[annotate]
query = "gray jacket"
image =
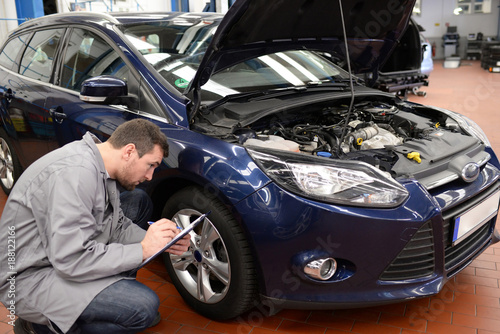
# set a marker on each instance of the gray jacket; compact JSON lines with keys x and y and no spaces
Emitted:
{"x":64,"y":235}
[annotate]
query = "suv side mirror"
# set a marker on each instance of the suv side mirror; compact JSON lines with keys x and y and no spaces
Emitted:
{"x":106,"y":90}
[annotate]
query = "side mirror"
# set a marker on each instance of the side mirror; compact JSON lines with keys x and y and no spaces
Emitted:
{"x":107,"y":90}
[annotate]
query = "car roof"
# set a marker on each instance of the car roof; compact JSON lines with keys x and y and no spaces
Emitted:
{"x":114,"y":18}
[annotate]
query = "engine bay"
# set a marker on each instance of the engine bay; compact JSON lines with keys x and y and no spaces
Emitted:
{"x":397,"y":137}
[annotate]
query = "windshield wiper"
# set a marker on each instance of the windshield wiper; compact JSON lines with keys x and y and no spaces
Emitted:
{"x":313,"y":86}
{"x":233,"y":97}
{"x":259,"y":95}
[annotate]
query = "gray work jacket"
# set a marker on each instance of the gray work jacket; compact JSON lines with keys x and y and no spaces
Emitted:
{"x":66,"y":234}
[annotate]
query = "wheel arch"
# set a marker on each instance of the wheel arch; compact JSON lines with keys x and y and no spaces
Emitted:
{"x":175,"y":180}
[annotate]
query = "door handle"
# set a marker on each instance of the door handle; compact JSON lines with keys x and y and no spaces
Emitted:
{"x":8,"y":94}
{"x":58,"y":114}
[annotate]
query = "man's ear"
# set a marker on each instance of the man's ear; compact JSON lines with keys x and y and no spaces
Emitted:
{"x":127,"y":151}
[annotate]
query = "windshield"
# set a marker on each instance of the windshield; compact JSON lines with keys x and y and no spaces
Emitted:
{"x":175,"y":50}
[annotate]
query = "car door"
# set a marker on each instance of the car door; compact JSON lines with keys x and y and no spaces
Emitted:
{"x":89,"y":54}
{"x":25,"y":91}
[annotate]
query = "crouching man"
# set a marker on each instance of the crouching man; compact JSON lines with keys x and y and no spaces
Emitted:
{"x":71,"y":245}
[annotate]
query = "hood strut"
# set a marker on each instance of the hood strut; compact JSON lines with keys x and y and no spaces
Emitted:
{"x":351,"y":86}
{"x":196,"y":104}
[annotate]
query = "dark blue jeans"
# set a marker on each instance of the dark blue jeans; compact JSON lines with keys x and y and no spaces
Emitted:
{"x":126,"y":306}
{"x":137,"y":206}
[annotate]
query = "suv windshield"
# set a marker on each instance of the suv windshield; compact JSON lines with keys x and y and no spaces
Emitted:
{"x":175,"y":50}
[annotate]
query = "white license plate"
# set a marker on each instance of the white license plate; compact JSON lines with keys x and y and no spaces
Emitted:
{"x":470,"y":221}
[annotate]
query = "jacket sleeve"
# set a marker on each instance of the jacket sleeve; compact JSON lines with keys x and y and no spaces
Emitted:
{"x":127,"y":232}
{"x":65,"y":206}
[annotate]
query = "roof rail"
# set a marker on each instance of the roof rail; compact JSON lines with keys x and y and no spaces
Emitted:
{"x":104,"y":16}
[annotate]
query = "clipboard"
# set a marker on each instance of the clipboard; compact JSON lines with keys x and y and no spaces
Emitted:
{"x":179,"y":236}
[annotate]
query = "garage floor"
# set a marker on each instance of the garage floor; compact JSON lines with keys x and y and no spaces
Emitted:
{"x":469,"y":304}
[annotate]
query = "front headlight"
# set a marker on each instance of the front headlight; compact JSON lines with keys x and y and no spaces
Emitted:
{"x":472,"y":128}
{"x":329,"y":180}
{"x":467,"y":125}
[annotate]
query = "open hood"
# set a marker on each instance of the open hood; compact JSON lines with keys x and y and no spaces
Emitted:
{"x":252,"y":28}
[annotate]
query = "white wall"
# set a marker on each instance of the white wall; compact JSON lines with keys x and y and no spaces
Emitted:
{"x":156,"y":5}
{"x":436,"y":14}
{"x":7,"y":11}
{"x":119,"y":6}
{"x":197,"y":5}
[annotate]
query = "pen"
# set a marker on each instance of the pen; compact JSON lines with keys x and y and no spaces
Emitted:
{"x":151,"y":223}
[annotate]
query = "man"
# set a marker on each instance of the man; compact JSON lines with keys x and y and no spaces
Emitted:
{"x":71,"y":247}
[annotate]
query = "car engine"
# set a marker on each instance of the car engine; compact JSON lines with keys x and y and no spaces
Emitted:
{"x":397,"y":137}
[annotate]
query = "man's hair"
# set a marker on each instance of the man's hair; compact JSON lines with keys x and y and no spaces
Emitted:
{"x":142,"y":133}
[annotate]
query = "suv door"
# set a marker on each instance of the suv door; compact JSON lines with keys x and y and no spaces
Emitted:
{"x":10,"y":167}
{"x":25,"y":118}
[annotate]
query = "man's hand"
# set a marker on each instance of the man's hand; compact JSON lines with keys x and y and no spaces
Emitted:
{"x":159,"y":234}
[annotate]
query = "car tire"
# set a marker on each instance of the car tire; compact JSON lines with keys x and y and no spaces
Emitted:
{"x":10,"y":168}
{"x":216,"y":276}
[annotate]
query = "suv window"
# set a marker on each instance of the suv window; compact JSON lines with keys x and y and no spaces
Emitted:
{"x":38,"y":58}
{"x":88,"y":55}
{"x":11,"y":50}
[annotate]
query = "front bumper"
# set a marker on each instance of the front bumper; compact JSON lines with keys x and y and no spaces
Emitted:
{"x":384,"y":255}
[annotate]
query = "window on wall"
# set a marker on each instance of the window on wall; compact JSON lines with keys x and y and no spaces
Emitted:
{"x":472,"y":7}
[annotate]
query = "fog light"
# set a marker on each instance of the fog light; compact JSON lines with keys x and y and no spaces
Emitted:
{"x":322,"y":269}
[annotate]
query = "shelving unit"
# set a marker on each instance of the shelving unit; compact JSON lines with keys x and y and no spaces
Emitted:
{"x":473,"y":50}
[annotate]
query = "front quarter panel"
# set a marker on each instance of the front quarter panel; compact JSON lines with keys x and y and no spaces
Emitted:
{"x":220,"y":168}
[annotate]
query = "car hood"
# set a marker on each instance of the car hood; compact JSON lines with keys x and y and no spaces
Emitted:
{"x":253,"y":28}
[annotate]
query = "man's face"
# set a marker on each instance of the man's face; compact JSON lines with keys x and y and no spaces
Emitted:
{"x":136,"y":170}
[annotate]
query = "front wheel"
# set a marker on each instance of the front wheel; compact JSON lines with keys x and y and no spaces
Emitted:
{"x":216,"y":276}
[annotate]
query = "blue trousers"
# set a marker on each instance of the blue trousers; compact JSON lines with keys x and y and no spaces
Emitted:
{"x":137,"y":206}
{"x":126,"y":306}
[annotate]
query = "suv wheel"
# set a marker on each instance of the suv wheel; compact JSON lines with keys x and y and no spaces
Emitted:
{"x":216,"y":276}
{"x":10,"y":169}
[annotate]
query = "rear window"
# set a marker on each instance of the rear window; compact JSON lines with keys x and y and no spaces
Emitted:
{"x":11,"y":52}
{"x":38,"y":58}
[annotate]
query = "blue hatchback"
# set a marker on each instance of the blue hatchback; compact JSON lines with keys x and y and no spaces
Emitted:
{"x":323,"y":192}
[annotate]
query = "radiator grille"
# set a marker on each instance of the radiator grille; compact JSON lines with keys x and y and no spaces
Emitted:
{"x":458,"y":254}
{"x":415,"y":260}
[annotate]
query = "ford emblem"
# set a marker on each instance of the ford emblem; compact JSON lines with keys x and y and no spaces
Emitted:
{"x":470,"y":172}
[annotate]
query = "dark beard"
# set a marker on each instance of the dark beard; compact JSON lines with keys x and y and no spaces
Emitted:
{"x":126,"y":186}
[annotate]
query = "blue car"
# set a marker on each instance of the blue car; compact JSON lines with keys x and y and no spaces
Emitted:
{"x":323,"y":192}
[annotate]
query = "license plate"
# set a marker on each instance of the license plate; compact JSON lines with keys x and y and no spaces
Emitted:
{"x":470,"y":221}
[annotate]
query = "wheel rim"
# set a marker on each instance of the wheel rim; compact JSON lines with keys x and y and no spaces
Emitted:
{"x":204,"y":270}
{"x":6,"y":165}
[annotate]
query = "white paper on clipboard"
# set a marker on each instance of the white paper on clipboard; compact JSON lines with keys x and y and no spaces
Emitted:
{"x":179,"y":236}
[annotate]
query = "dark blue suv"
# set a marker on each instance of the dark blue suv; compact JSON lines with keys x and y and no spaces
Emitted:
{"x":324,"y":193}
